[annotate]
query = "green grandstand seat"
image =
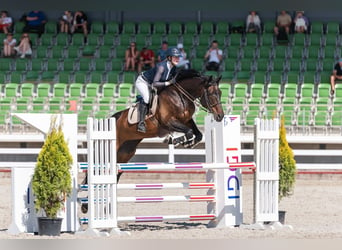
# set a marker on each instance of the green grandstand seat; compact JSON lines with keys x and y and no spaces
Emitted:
{"x":175,"y":27}
{"x":222,"y":27}
{"x":125,"y":90}
{"x":315,"y":39}
{"x":121,"y":103}
{"x":268,"y":26}
{"x":82,"y":116}
{"x":85,"y":64}
{"x":92,"y":90}
{"x":296,"y":52}
{"x":140,"y":40}
{"x":188,"y":40}
{"x":307,"y":90}
{"x":172,"y":39}
{"x":316,"y":27}
{"x":112,"y":77}
{"x":278,"y":64}
{"x":27,"y":90}
{"x":53,"y":64}
{"x":57,"y":52}
{"x":235,"y":39}
{"x":62,"y":39}
{"x":97,"y":27}
{"x":262,"y":64}
{"x":55,"y":104}
{"x":6,"y":64}
{"x":22,"y":104}
{"x":251,"y":39}
{"x":32,"y":76}
{"x":50,"y":27}
{"x":48,"y":76}
{"x":88,"y":103}
{"x":289,"y":104}
{"x":336,"y":118}
{"x":47,"y":39}
{"x":43,"y":90}
{"x":72,"y":52}
{"x":264,"y":52}
{"x":206,"y":27}
{"x":15,"y":77}
{"x":191,"y":27}
{"x":322,"y":104}
{"x":273,"y":90}
{"x":21,"y":65}
{"x":200,"y":117}
{"x":248,"y":52}
{"x":280,"y":52}
{"x":106,"y":103}
{"x":96,"y":77}
{"x":60,"y":89}
{"x":304,"y":118}
{"x":227,"y":76}
{"x":80,"y":77}
{"x":18,"y":27}
{"x":144,"y":28}
{"x":101,"y":114}
{"x":250,"y":117}
{"x":64,"y":76}
{"x":76,"y":89}
{"x":333,"y":27}
{"x":36,"y":64}
{"x":330,"y":39}
{"x":112,"y":27}
{"x":41,"y":51}
{"x":128,"y":28}
{"x":294,"y":64}
{"x":276,"y":77}
{"x":292,"y":77}
{"x":159,"y":27}
{"x":39,"y":104}
{"x":259,"y":77}
{"x":299,"y":39}
{"x":109,"y":90}
{"x":290,"y":90}
{"x":323,"y":90}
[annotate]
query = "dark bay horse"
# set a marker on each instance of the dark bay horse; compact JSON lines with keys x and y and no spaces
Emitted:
{"x":176,"y":106}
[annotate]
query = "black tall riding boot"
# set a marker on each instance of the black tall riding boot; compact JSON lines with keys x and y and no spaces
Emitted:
{"x":142,"y":113}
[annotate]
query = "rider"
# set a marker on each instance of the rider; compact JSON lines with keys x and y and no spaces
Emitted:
{"x":160,"y":76}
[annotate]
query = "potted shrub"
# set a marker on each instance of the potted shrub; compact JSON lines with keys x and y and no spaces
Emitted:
{"x":287,"y":168}
{"x":51,"y":181}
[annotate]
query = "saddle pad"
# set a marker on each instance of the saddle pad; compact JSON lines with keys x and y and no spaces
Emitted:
{"x":133,"y":111}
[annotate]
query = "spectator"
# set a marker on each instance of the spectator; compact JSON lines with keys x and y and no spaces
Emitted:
{"x":9,"y":43}
{"x":183,"y":62}
{"x":146,"y":60}
{"x":301,"y":22}
{"x":5,"y":22}
{"x":161,"y":54}
{"x":253,"y":23}
{"x":80,"y":23}
{"x":35,"y":22}
{"x":336,"y":75}
{"x":131,"y":57}
{"x":283,"y":24}
{"x":25,"y":46}
{"x":65,"y":22}
{"x":213,"y":57}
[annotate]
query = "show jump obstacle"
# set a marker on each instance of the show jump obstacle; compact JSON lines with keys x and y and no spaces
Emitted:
{"x":223,"y":166}
{"x":224,"y":182}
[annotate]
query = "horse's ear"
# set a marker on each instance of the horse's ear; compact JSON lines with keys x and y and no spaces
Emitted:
{"x":218,"y":79}
{"x":210,"y":79}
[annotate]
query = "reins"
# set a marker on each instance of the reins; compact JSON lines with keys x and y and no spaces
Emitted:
{"x":196,"y":101}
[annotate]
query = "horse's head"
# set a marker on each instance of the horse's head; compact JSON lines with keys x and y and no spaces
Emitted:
{"x":211,"y":99}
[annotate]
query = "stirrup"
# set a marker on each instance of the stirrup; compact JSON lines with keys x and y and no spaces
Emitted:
{"x":141,"y":127}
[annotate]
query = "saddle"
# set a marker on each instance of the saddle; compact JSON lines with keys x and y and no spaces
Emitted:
{"x":133,"y":110}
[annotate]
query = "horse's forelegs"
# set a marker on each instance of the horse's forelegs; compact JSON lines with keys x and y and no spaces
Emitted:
{"x":179,"y":127}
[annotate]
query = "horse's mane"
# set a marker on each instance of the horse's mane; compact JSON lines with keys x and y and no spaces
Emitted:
{"x":187,"y":73}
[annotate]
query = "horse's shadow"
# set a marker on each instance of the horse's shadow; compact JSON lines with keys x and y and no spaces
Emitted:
{"x":165,"y":226}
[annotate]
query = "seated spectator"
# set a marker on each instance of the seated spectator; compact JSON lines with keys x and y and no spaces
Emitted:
{"x":213,"y":57}
{"x":35,"y":22}
{"x":25,"y":46}
{"x":161,"y":53}
{"x":9,"y":43}
{"x":146,"y":60}
{"x":131,"y":57}
{"x":253,"y":23}
{"x":65,"y":22}
{"x":283,"y":25}
{"x":5,"y":22}
{"x":301,"y":22}
{"x":80,"y":23}
{"x":336,"y":76}
{"x":183,"y":62}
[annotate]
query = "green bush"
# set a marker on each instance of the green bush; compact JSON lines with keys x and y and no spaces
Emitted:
{"x":52,"y":181}
{"x":287,"y":164}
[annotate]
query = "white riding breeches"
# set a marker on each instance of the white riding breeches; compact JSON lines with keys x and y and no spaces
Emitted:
{"x":143,"y":88}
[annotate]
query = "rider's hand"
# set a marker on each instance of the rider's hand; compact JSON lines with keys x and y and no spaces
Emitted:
{"x":173,"y":81}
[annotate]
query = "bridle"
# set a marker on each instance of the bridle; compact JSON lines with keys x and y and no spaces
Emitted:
{"x":197,"y":101}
